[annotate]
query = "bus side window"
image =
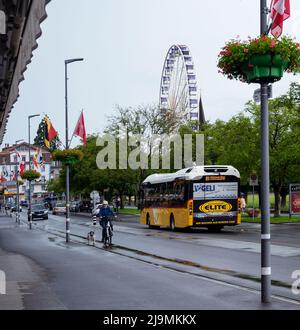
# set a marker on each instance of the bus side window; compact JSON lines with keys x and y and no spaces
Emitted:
{"x":157,"y":194}
{"x":161,"y":192}
{"x":149,"y":195}
{"x":179,"y":194}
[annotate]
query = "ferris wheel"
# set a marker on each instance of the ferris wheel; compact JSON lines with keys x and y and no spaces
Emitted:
{"x":178,"y":87}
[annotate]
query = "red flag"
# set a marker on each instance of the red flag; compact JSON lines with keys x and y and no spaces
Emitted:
{"x":280,"y":11}
{"x":21,"y":163}
{"x":22,"y":168}
{"x":80,"y":129}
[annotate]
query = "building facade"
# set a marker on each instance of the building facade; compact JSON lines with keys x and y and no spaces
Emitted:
{"x":10,"y":158}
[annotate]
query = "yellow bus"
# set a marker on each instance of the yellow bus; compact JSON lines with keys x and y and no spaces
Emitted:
{"x":198,"y":196}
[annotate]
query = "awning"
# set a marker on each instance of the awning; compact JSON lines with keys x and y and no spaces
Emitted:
{"x":20,"y":39}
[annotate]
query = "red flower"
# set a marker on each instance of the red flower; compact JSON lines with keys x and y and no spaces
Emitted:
{"x":273,"y":43}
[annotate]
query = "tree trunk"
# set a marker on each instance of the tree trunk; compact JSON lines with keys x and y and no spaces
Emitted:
{"x":283,"y":200}
{"x":284,"y":191}
{"x":122,"y":203}
{"x":277,"y":200}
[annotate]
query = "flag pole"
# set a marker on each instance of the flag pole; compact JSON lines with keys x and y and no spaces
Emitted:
{"x":270,"y":26}
{"x":270,"y":12}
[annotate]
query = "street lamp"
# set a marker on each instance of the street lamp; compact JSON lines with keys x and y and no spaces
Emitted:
{"x":67,"y":147}
{"x":29,"y":193}
{"x":265,"y":178}
{"x":18,"y":192}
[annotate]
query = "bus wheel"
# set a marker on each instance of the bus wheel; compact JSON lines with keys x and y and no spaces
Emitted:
{"x":215,"y":229}
{"x":148,"y":221}
{"x":172,"y":223}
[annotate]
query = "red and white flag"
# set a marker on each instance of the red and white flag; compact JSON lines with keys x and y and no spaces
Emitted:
{"x":21,"y":163}
{"x":280,"y":11}
{"x":80,"y":128}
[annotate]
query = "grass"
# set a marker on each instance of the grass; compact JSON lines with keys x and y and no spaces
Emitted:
{"x":272,"y":201}
{"x":282,"y":219}
{"x":131,"y":211}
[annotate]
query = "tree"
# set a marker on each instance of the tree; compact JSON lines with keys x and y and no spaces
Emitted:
{"x":234,"y":143}
{"x":39,"y":140}
{"x":284,"y":136}
{"x":55,"y":185}
{"x":237,"y":142}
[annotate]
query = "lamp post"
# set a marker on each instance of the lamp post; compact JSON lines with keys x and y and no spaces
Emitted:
{"x":29,"y":192}
{"x":265,"y":180}
{"x":67,"y":147}
{"x":18,"y":192}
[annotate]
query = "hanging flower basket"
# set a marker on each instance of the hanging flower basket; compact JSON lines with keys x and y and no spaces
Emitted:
{"x":30,"y":175}
{"x":260,"y":60}
{"x":67,"y":156}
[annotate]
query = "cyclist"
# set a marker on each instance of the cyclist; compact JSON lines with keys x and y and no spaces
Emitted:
{"x":104,"y":214}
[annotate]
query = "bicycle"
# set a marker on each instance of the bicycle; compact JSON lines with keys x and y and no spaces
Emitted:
{"x":108,"y":233}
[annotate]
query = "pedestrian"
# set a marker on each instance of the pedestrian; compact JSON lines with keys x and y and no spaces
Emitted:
{"x":114,"y":202}
{"x":118,"y":202}
{"x":243,"y":203}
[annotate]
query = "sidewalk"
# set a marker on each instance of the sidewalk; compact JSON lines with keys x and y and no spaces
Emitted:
{"x":26,"y":282}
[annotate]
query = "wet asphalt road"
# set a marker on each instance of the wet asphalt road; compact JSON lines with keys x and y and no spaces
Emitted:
{"x":148,"y":269}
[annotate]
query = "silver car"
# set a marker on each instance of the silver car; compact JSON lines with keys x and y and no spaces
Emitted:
{"x":59,"y":208}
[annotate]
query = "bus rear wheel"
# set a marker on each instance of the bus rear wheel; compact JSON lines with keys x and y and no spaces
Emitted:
{"x":172,"y":223}
{"x":148,"y":220}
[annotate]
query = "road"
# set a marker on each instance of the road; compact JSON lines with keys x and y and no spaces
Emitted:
{"x":153,"y":268}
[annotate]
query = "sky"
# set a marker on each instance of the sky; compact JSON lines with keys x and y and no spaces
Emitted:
{"x":124,"y":44}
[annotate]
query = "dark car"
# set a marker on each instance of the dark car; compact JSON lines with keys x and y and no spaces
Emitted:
{"x":50,"y":201}
{"x":8,"y":205}
{"x":14,"y":208}
{"x":39,"y":211}
{"x":24,"y":203}
{"x":75,"y":206}
{"x":86,"y":206}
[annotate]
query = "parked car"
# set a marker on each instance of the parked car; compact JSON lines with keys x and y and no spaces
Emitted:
{"x":50,"y":201}
{"x":75,"y":206}
{"x":59,"y":208}
{"x":86,"y":206}
{"x":14,"y":208}
{"x":39,"y":211}
{"x":8,"y":205}
{"x":24,"y":203}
